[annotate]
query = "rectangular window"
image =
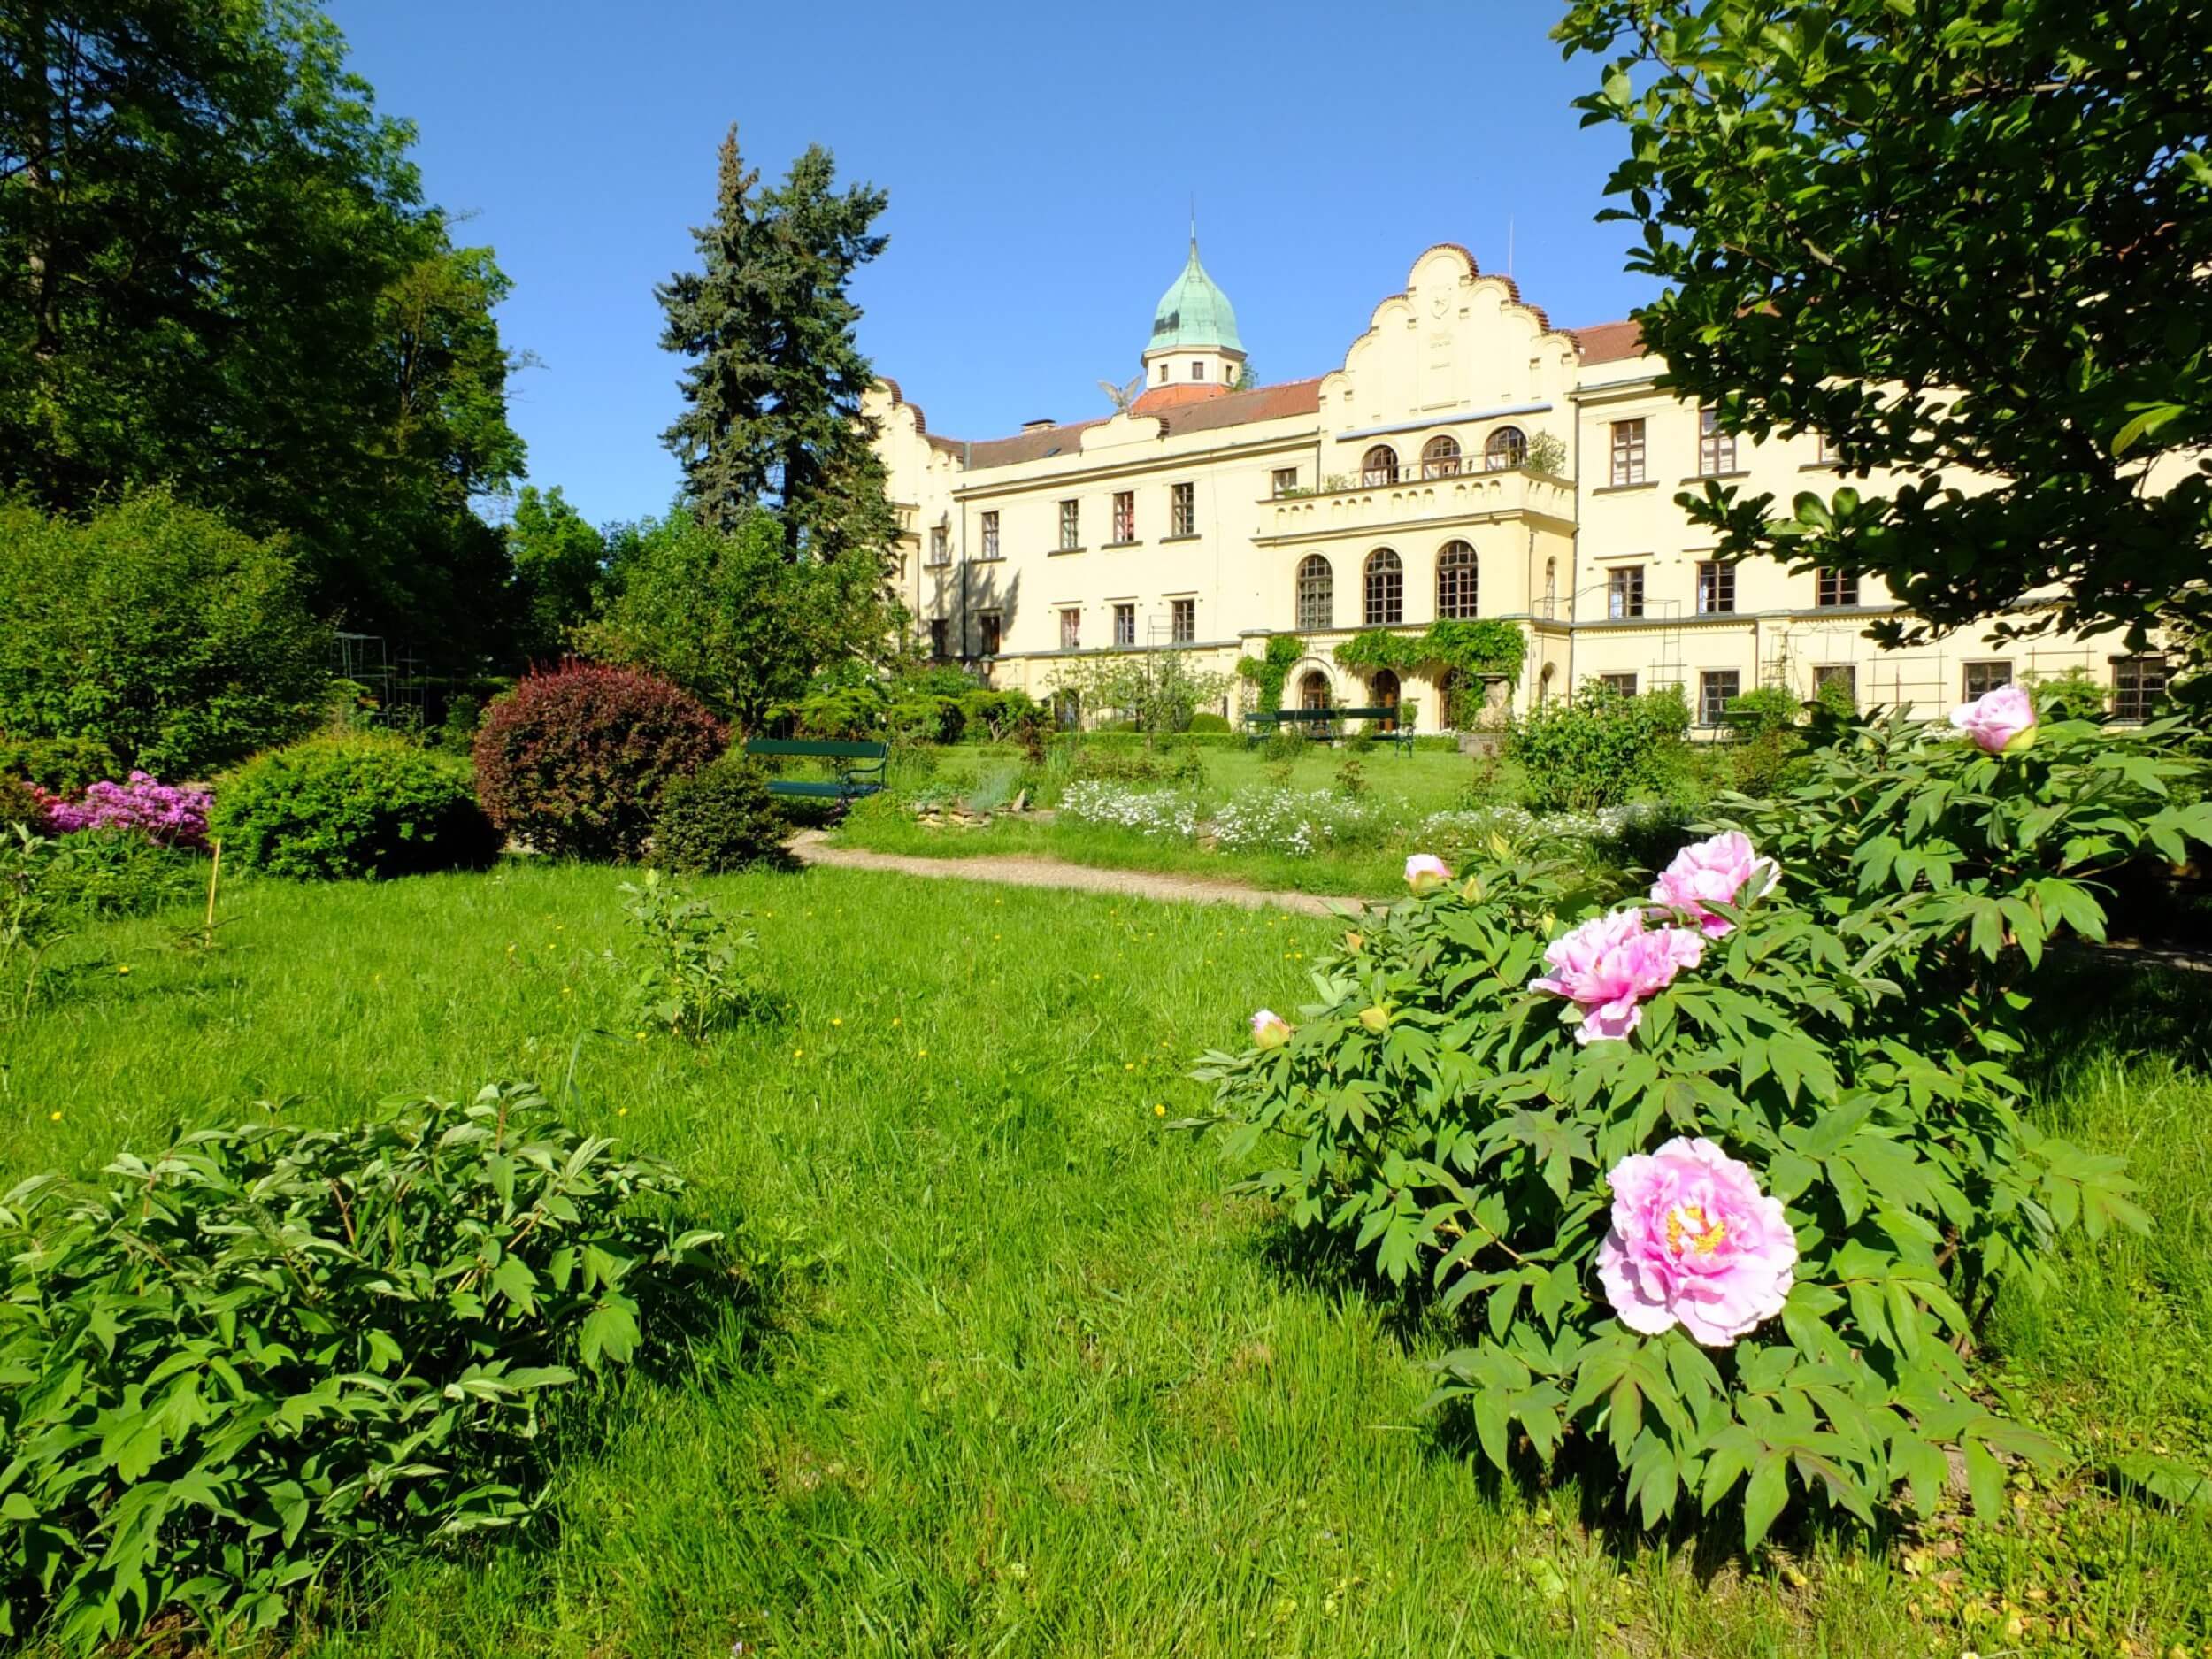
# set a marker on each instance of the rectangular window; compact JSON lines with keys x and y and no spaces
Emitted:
{"x":1981,"y":678}
{"x":1125,"y":515}
{"x":937,"y":630}
{"x":1716,"y":690}
{"x":1182,"y":509}
{"x":1071,"y":628}
{"x":2139,"y":686}
{"x":1833,"y":589}
{"x":1286,"y":480}
{"x":1625,"y":684}
{"x":940,"y":545}
{"x":990,"y":535}
{"x":1198,"y":371}
{"x":1183,"y":620}
{"x":1070,"y":526}
{"x":1716,"y":587}
{"x":1625,"y":593}
{"x":1124,"y":625}
{"x":991,"y":624}
{"x":1628,"y":452}
{"x":1843,"y":674}
{"x":1824,"y":452}
{"x":1716,"y":448}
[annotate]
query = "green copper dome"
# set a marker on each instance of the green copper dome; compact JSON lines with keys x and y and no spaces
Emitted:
{"x":1195,"y":313}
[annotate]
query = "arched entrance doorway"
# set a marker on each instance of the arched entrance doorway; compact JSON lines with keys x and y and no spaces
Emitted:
{"x":1387,"y":694}
{"x":1313,"y":689}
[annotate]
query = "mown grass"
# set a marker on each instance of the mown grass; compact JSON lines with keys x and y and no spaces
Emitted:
{"x":1408,"y":785}
{"x":1030,"y":1384}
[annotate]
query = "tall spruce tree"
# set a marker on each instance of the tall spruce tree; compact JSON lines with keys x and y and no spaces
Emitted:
{"x":772,"y":394}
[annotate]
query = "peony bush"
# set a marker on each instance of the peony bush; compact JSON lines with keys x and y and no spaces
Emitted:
{"x":1716,"y":1184}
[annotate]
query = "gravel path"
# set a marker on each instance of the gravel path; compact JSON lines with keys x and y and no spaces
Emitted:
{"x":810,"y":846}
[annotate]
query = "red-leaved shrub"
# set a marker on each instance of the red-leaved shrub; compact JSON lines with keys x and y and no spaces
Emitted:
{"x":573,"y":763}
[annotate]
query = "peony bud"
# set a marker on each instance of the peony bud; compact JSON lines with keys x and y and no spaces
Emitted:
{"x":1270,"y":1030}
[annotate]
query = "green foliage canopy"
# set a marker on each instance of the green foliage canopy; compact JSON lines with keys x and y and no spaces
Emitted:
{"x":557,"y":560}
{"x":1268,"y":671}
{"x":1956,"y":237}
{"x":1476,"y":647}
{"x":223,"y":278}
{"x":155,"y":628}
{"x":730,"y":616}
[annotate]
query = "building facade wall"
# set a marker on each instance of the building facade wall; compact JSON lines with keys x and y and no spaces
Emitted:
{"x":1418,"y":444}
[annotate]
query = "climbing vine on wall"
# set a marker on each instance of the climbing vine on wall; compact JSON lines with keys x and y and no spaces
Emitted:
{"x":1268,"y":672}
{"x":1475,"y":649}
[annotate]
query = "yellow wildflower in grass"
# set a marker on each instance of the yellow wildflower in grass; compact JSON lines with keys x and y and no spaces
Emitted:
{"x":837,"y":1022}
{"x":1160,"y":1110}
{"x":798,"y":1054}
{"x":122,"y":967}
{"x":895,"y":1020}
{"x":53,"y":1118}
{"x":922,"y":1053}
{"x":622,"y":1112}
{"x":1130,"y":1066}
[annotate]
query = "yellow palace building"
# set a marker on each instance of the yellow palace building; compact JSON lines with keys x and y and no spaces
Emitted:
{"x":1468,"y":459}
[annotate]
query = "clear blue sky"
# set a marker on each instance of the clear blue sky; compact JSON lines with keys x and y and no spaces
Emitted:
{"x":1039,"y":163}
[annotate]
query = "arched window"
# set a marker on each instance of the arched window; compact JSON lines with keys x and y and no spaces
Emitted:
{"x":1379,"y":467}
{"x":1386,"y":590}
{"x":1316,"y":592}
{"x":1508,"y":447}
{"x":1439,"y":459}
{"x":1455,"y":580}
{"x":1313,"y":690}
{"x":1385,"y":691}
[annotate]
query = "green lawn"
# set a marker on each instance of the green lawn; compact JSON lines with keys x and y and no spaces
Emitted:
{"x":1032,"y":1385}
{"x":1407,"y":785}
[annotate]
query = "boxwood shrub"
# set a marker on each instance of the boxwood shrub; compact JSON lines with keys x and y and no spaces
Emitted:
{"x":574,"y":762}
{"x":361,"y":804}
{"x":719,"y":819}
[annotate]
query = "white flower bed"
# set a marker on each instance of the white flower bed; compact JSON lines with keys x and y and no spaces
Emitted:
{"x":1288,"y":821}
{"x":1524,"y":828}
{"x":1162,"y":814}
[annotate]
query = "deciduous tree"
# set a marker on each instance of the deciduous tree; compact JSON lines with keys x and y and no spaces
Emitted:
{"x":1964,"y":239}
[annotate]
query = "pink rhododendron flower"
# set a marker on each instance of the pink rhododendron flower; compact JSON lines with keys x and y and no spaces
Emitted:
{"x":161,"y":812}
{"x":1270,"y":1030}
{"x":1997,"y":718}
{"x":1694,"y":1243}
{"x":1609,"y":965}
{"x":1426,"y":870}
{"x":1724,"y":867}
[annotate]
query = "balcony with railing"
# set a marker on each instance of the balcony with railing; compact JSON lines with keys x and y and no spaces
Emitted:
{"x":1468,"y":491}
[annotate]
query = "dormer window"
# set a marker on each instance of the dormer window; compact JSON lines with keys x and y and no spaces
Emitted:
{"x":1163,"y":375}
{"x":1198,"y":371}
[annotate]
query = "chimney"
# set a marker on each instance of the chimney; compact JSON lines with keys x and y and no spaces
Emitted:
{"x":1039,"y":426}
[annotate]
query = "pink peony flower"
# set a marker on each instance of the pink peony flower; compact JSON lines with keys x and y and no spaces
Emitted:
{"x":1998,"y":719}
{"x":1694,"y":1243}
{"x":1609,"y":965}
{"x":1724,"y":867}
{"x":1270,"y":1030}
{"x":1425,"y":871}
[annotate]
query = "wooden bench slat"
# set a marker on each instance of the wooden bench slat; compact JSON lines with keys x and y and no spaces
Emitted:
{"x":820,"y":788}
{"x":825,"y":748}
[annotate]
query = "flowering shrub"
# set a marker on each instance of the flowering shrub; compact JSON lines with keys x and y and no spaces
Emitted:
{"x":2000,"y":850}
{"x":164,"y":814}
{"x":1714,"y":1205}
{"x":574,"y":762}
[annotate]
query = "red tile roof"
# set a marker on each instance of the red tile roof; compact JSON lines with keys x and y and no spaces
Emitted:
{"x":1609,"y":343}
{"x":1160,"y":397}
{"x":1285,"y":402}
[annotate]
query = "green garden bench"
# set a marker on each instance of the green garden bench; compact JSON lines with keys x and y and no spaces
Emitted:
{"x":860,"y":768}
{"x":1326,"y":724}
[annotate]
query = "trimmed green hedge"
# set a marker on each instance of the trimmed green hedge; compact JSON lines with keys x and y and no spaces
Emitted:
{"x":365,"y":805}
